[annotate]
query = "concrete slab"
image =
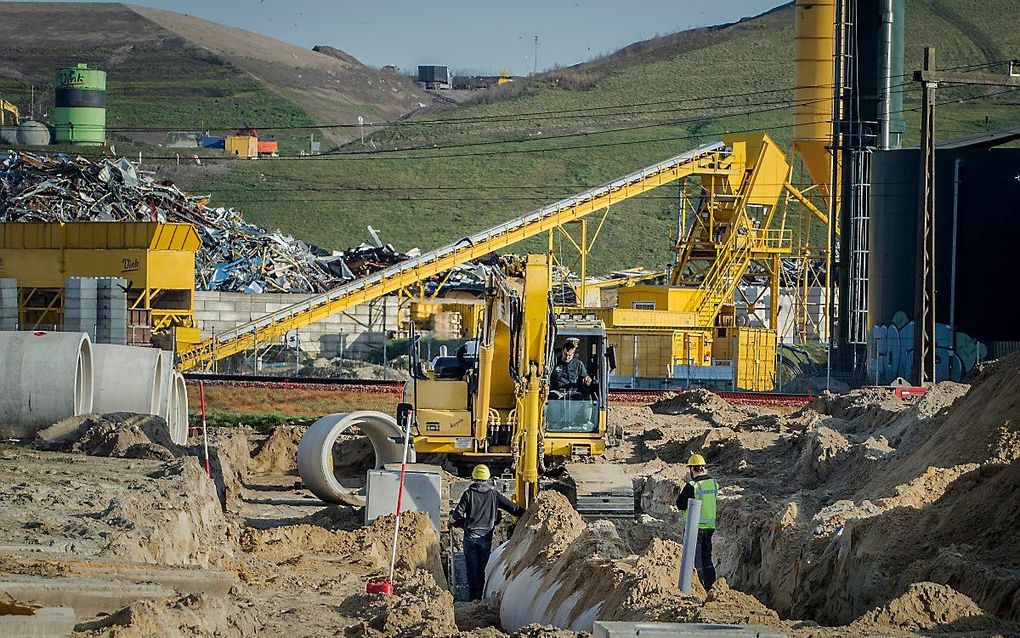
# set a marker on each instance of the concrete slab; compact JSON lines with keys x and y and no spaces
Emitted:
{"x":210,"y":582}
{"x":613,"y":629}
{"x":44,"y":622}
{"x":86,"y":596}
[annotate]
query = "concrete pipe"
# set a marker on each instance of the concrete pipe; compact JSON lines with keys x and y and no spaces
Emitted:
{"x":179,"y":411}
{"x":165,"y":384}
{"x":45,"y":377}
{"x":127,"y":378}
{"x":315,"y":453}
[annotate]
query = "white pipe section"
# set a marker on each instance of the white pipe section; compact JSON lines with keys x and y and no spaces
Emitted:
{"x":315,"y":453}
{"x":44,"y":377}
{"x":690,"y":549}
{"x":165,"y":384}
{"x":178,"y":422}
{"x":126,"y":378}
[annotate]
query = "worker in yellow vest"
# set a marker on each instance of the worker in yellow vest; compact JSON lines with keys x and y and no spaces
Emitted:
{"x":704,"y":489}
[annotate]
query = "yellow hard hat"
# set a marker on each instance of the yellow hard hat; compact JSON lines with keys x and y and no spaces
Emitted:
{"x":696,"y":460}
{"x":480,"y":473}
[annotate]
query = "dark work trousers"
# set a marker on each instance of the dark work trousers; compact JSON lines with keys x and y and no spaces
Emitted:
{"x":703,"y":558}
{"x":476,"y":556}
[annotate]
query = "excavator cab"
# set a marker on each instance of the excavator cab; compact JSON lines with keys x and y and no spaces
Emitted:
{"x":576,"y":408}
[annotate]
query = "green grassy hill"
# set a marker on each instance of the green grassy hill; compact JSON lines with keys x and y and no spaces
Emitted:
{"x":169,"y":71}
{"x":486,"y":162}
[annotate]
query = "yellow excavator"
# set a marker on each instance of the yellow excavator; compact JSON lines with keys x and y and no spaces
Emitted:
{"x":493,"y":401}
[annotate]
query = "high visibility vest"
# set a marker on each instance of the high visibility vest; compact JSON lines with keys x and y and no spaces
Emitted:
{"x":705,"y":491}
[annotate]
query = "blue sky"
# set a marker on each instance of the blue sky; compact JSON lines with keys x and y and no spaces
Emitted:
{"x":468,"y":35}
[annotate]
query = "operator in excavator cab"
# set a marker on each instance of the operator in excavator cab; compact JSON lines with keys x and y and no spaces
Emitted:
{"x":570,"y":373}
{"x":571,"y":386}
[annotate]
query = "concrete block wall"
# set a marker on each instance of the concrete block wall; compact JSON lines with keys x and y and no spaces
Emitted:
{"x":360,"y":329}
{"x":8,"y":304}
{"x":80,"y":307}
{"x":111,"y":310}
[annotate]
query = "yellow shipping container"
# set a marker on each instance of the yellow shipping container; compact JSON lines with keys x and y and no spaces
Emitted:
{"x":242,"y":145}
{"x":755,"y":350}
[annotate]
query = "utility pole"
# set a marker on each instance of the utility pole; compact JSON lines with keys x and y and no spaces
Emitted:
{"x":924,"y":291}
{"x":924,"y":283}
{"x":536,"y":55}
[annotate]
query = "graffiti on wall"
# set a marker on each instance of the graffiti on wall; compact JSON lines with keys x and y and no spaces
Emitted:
{"x":891,"y":352}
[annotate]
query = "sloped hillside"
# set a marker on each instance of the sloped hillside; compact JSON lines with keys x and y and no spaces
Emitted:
{"x":172,"y":71}
{"x":489,"y":161}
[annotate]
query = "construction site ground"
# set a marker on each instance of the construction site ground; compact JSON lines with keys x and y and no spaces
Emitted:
{"x":861,"y":514}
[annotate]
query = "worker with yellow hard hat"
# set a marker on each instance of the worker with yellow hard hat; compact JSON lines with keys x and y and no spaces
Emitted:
{"x":703,"y":488}
{"x":478,"y":512}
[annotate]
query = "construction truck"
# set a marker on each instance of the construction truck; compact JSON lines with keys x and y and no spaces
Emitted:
{"x":492,"y":403}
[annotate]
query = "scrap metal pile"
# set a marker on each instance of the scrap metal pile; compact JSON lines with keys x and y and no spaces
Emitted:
{"x":235,"y":255}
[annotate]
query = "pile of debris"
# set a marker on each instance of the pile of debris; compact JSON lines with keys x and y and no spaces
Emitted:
{"x":235,"y":255}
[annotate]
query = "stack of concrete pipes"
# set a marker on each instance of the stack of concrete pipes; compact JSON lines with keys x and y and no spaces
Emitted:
{"x":49,"y":376}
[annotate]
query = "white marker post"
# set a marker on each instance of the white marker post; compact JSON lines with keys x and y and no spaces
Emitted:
{"x":690,"y":545}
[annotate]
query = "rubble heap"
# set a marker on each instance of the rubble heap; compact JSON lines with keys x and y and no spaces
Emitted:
{"x":235,"y":255}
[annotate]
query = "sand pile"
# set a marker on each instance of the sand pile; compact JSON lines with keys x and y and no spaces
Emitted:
{"x":930,"y":606}
{"x":418,"y":608}
{"x":364,"y":550}
{"x":278,"y":453}
{"x":192,"y":615}
{"x":556,"y":570}
{"x":179,"y":522}
{"x":700,"y":403}
{"x":866,"y":405}
{"x":115,"y":434}
{"x":916,"y":497}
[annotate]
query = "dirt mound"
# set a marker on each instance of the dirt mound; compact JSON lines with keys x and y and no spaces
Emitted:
{"x":700,"y":403}
{"x":191,"y":615}
{"x":822,"y":449}
{"x":590,"y":573}
{"x":418,"y":608}
{"x":477,"y":614}
{"x":943,"y":465}
{"x":728,"y":606}
{"x":930,"y":606}
{"x":278,"y":453}
{"x":114,"y":434}
{"x":366,"y":549}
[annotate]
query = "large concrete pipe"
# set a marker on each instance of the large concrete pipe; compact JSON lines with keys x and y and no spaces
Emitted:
{"x":178,"y":422}
{"x":44,"y":377}
{"x":165,"y":384}
{"x":315,"y":453}
{"x":126,"y":378}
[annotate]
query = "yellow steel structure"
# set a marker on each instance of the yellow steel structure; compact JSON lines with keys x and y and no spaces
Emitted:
{"x":707,"y":159}
{"x":157,"y":260}
{"x":9,"y":114}
{"x":498,"y":406}
{"x":742,"y":178}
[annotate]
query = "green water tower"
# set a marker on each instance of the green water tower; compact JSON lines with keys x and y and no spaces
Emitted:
{"x":80,"y":113}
